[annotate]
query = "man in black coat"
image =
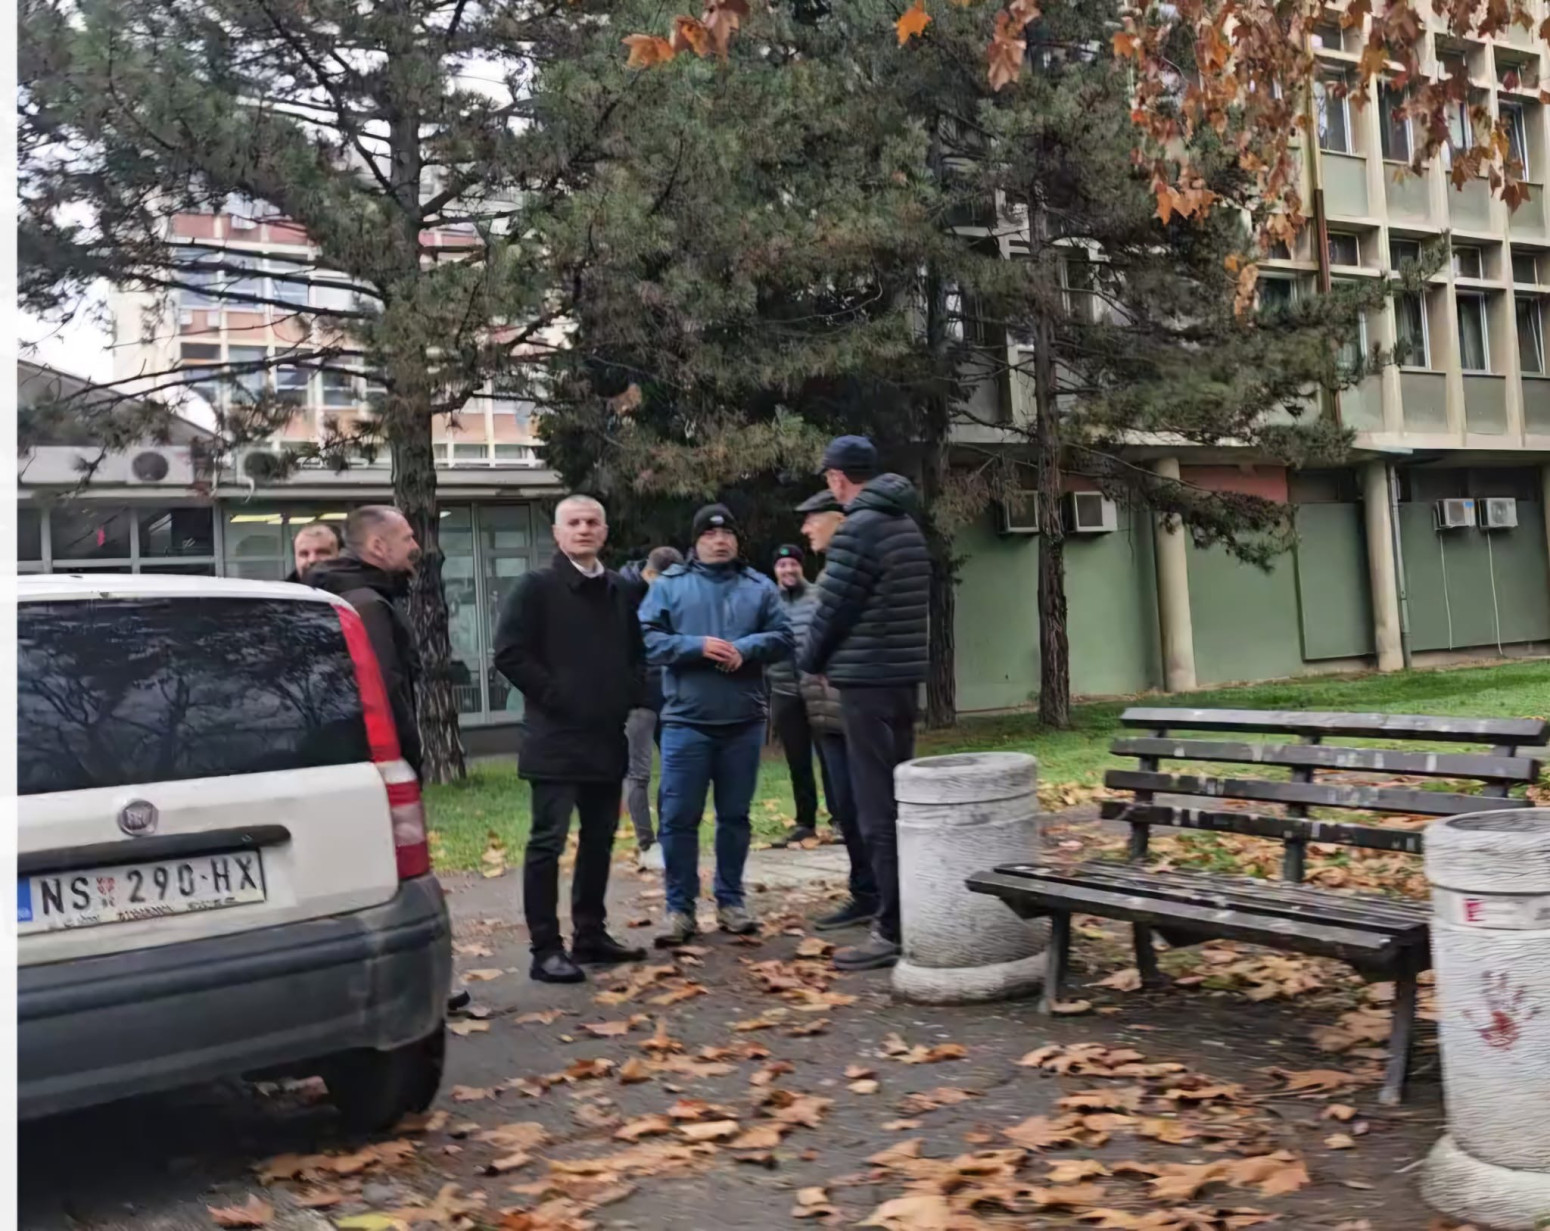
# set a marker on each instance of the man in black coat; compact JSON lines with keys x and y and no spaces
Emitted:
{"x":372,"y":575}
{"x":868,"y":637}
{"x":569,"y":640}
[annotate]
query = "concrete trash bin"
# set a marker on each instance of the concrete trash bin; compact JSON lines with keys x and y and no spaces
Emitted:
{"x":1490,"y":877}
{"x":959,"y":815}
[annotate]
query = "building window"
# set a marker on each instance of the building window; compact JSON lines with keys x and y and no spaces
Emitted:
{"x":1531,"y":337}
{"x":513,"y":453}
{"x":29,"y":533}
{"x":1517,"y":136}
{"x":376,"y":391}
{"x":1393,"y":125}
{"x":505,"y":400}
{"x":201,"y":287}
{"x":470,"y":453}
{"x":248,"y":381}
{"x":296,"y":294}
{"x":1461,"y":131}
{"x":1410,"y":340}
{"x":1334,"y":114}
{"x":1474,"y":342}
{"x":290,"y":384}
{"x":333,"y":294}
{"x":86,"y":531}
{"x":1328,"y":36}
{"x":1403,"y":250}
{"x":1276,"y":295}
{"x":1466,"y":263}
{"x":176,"y":532}
{"x":1344,"y":249}
{"x":338,"y":388}
{"x":1525,"y":268}
{"x":246,"y":286}
{"x":1353,"y":351}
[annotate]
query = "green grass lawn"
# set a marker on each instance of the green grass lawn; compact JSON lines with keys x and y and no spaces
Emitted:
{"x":493,"y":799}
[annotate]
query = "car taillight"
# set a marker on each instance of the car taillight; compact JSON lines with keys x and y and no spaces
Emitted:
{"x":405,"y":805}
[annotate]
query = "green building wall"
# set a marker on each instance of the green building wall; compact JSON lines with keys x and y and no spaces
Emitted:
{"x":1313,"y":606}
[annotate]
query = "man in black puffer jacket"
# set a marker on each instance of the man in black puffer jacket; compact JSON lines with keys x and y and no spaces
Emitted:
{"x":868,"y":637}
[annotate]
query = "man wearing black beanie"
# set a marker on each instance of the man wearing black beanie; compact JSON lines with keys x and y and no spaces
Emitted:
{"x":713,"y":624}
{"x":788,"y":713}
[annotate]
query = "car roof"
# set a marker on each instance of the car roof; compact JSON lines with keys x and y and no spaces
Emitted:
{"x":42,"y":587}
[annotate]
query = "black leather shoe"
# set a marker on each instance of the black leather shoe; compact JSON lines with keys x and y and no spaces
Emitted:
{"x":556,"y":967}
{"x":796,"y":837}
{"x":604,"y":950}
{"x":849,"y":915}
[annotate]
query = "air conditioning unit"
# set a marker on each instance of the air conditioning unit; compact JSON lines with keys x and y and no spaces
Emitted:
{"x":1498,"y":512}
{"x":1090,"y":513}
{"x":258,"y":465}
{"x":1018,"y":514}
{"x":1455,"y":514}
{"x":162,"y":467}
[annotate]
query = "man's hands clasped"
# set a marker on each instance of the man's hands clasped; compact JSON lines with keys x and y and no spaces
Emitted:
{"x":724,"y":654}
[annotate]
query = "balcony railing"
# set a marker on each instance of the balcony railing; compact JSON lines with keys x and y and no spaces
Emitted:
{"x":1424,"y":399}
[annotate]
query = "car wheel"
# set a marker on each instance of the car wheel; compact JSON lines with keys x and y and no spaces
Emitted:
{"x":373,"y":1090}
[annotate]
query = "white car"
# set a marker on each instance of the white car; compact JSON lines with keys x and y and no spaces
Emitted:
{"x":223,"y":867}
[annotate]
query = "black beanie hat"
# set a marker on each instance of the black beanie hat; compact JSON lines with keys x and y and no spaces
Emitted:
{"x":713,"y":517}
{"x":790,"y":551}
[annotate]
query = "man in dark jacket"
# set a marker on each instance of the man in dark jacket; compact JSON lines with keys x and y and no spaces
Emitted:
{"x":787,"y":712}
{"x":822,"y":517}
{"x":569,"y":641}
{"x":372,"y":575}
{"x":868,"y":637}
{"x":315,"y":542}
{"x":643,"y":728}
{"x":713,"y":624}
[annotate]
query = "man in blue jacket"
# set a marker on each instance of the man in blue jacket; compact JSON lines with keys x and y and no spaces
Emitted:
{"x":712,"y":623}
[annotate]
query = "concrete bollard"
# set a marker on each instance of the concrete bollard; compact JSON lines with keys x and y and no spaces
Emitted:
{"x":959,"y":815}
{"x":1490,"y":876}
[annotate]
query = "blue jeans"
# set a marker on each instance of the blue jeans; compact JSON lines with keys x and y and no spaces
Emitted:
{"x":693,"y":760}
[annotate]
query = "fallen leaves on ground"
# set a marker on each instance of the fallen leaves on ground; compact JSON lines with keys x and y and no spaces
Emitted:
{"x":1124,"y":1098}
{"x":1313,"y":1082}
{"x":254,"y":1212}
{"x":422,"y":1122}
{"x":648,"y":1158}
{"x":465,"y":1028}
{"x":807,"y":1029}
{"x":710,"y":1130}
{"x":304,"y":1166}
{"x":865,"y":1085}
{"x":1096,"y":1060}
{"x":761,"y":1137}
{"x":509,"y":1162}
{"x":1356,"y":1028}
{"x":542,"y":1017}
{"x":493,"y":862}
{"x":512,"y":1138}
{"x":1273,"y":1174}
{"x":472,"y":1094}
{"x":930,"y":1100}
{"x":1127,"y":980}
{"x":895,"y":1048}
{"x":483,"y":975}
{"x":609,"y":1030}
{"x":813,"y":1203}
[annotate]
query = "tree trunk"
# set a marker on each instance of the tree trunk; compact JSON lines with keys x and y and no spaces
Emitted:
{"x":414,"y":491}
{"x":941,"y":681}
{"x":1054,"y":643}
{"x":414,"y":460}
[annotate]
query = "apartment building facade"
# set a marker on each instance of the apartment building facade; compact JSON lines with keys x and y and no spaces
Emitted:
{"x":1431,"y":544}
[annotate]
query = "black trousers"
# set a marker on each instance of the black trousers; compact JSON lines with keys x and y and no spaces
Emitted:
{"x":597,"y":804}
{"x":835,"y":763}
{"x":879,"y":734}
{"x":796,"y":737}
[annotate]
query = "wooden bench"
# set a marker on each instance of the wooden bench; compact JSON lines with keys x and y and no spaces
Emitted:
{"x":1383,"y":938}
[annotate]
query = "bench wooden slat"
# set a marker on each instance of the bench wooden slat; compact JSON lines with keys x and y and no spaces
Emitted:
{"x":1363,"y":949}
{"x":1262,"y":825}
{"x":1364,"y":911}
{"x":1512,"y":731}
{"x":1325,"y":756}
{"x":1317,"y":794}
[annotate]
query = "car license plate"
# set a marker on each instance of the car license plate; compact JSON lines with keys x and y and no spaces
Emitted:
{"x":59,"y":900}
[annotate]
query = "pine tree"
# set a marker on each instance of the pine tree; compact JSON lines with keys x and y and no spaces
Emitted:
{"x":369,"y":127}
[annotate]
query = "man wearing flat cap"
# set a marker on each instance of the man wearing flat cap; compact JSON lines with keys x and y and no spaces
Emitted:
{"x":713,"y":624}
{"x":868,"y":638}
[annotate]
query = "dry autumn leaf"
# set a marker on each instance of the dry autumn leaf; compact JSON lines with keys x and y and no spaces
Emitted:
{"x":814,"y":946}
{"x":606,"y":1030}
{"x":513,"y":1138}
{"x":866,"y":1085}
{"x":1071,"y":1008}
{"x":900,"y":1126}
{"x":1125,"y":1098}
{"x":1340,"y":1141}
{"x":645,"y":1126}
{"x":760,"y":1137}
{"x":1338,"y":1111}
{"x":463,"y":1029}
{"x":319,"y":1198}
{"x":915,"y":1212}
{"x":910,"y":25}
{"x":509,"y":1162}
{"x":930,"y":1100}
{"x":482,"y":976}
{"x":1127,"y":980}
{"x":1041,"y":1132}
{"x":543,"y":1017}
{"x":807,"y":1029}
{"x":471,"y":1094}
{"x":691,"y":35}
{"x":646,"y":51}
{"x":711,"y":1130}
{"x":1316,"y":1081}
{"x":1075,"y":1170}
{"x":255,"y":1212}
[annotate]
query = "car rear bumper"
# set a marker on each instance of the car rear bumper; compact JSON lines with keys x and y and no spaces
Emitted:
{"x":103,"y":1028}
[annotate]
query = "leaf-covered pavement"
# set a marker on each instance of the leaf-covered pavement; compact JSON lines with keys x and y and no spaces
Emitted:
{"x":748,"y":1084}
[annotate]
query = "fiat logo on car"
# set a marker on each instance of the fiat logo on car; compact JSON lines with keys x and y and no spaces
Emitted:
{"x":138,"y":818}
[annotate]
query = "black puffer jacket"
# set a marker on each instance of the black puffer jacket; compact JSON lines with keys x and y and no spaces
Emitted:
{"x":376,"y":595}
{"x":633,"y":577}
{"x":870,"y":627}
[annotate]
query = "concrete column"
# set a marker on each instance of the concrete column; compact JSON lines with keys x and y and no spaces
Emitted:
{"x":1380,"y":566}
{"x":1173,"y":617}
{"x":1544,"y":502}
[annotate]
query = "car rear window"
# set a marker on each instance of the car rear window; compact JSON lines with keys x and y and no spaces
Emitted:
{"x":118,"y":691}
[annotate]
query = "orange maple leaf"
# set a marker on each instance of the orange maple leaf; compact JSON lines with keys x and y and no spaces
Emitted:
{"x":1005,"y":53}
{"x":913,"y":22}
{"x":647,"y":50}
{"x":1126,"y":45}
{"x":691,"y":35}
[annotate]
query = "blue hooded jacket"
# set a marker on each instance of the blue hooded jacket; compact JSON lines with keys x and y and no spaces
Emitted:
{"x":692,"y":601}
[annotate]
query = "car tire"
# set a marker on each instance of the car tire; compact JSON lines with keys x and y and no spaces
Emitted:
{"x":373,"y":1090}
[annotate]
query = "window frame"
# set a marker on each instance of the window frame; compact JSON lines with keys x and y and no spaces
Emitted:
{"x":1322,"y":100}
{"x":1485,"y":331}
{"x":1356,"y":242}
{"x":1419,"y":299}
{"x":1388,"y":100}
{"x":1537,"y":333}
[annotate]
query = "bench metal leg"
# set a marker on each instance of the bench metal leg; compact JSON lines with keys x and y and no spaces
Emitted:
{"x":1057,"y":956}
{"x":1146,"y":956}
{"x":1400,"y":1036}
